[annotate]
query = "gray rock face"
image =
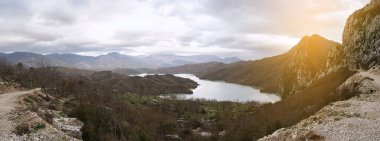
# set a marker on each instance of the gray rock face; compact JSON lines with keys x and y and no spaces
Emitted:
{"x":361,"y":37}
{"x":71,"y":126}
{"x":308,"y":60}
{"x":355,"y":119}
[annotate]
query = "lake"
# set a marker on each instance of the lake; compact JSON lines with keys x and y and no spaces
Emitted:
{"x":222,"y":91}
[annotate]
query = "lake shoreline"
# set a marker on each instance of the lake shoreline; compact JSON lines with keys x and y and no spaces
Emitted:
{"x":222,"y":91}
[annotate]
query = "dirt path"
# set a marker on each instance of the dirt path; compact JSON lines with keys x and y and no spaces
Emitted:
{"x":8,"y":103}
{"x":8,"y":100}
{"x":13,"y":114}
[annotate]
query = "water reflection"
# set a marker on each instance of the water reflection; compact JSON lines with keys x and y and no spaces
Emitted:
{"x":222,"y":91}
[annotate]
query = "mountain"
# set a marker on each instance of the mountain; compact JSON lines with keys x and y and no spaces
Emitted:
{"x":127,"y":71}
{"x":190,"y":68}
{"x":169,"y":60}
{"x":361,"y":37}
{"x":25,"y":57}
{"x":117,"y":60}
{"x":361,"y":53}
{"x":113,"y":60}
{"x":286,"y":73}
{"x":308,"y":60}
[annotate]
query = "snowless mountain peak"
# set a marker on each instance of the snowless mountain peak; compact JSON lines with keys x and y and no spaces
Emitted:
{"x":312,"y":38}
{"x":312,"y":42}
{"x":114,"y":60}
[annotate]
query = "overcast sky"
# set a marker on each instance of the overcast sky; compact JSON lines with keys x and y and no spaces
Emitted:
{"x":249,"y":29}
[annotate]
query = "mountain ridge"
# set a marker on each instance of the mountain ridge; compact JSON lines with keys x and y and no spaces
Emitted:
{"x":112,"y":60}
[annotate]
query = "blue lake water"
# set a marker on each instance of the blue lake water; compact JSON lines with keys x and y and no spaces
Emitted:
{"x":222,"y":91}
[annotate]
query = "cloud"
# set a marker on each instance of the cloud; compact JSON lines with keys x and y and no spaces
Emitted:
{"x":14,"y":8}
{"x":250,"y":29}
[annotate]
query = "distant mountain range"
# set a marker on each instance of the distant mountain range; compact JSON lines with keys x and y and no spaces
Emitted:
{"x":113,"y":60}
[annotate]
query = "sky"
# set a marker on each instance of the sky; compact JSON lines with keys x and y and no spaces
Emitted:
{"x":249,"y":29}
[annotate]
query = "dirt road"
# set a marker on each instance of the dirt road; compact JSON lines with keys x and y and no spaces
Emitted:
{"x":8,"y":103}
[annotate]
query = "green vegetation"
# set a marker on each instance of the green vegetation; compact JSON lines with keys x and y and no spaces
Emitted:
{"x":132,"y":117}
{"x":112,"y":114}
{"x":24,"y":128}
{"x":39,"y":126}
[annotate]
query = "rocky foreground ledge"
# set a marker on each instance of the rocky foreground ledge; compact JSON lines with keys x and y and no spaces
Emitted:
{"x":355,"y":119}
{"x":25,"y":115}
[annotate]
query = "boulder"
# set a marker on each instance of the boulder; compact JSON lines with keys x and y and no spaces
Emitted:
{"x":70,"y":126}
{"x":173,"y":137}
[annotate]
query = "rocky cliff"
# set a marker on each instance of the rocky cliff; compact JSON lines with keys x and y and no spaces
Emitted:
{"x":308,"y":61}
{"x":361,"y":37}
{"x":355,"y":119}
{"x":358,"y":117}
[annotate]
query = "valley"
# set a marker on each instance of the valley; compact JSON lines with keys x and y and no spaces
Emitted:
{"x":317,"y":90}
{"x":272,"y":74}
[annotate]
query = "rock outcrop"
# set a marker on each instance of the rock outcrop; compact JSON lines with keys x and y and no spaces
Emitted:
{"x":358,"y":117}
{"x":307,"y":59}
{"x":355,"y":119}
{"x":21,"y":118}
{"x":70,"y":126}
{"x":361,"y":37}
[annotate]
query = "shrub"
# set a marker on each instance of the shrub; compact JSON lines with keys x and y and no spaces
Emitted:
{"x":53,"y":106}
{"x":167,"y":126}
{"x":22,"y":129}
{"x":186,"y":132}
{"x":194,"y":123}
{"x":143,"y":137}
{"x":39,"y":126}
{"x":33,"y":107}
{"x":48,"y":117}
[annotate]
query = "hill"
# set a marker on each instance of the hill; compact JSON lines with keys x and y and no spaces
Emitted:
{"x":148,"y":85}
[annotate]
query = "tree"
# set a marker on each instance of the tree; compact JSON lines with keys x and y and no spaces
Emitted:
{"x":6,"y":70}
{"x":46,"y":76}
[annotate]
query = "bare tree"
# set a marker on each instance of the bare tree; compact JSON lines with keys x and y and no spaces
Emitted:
{"x":46,"y":76}
{"x":6,"y":69}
